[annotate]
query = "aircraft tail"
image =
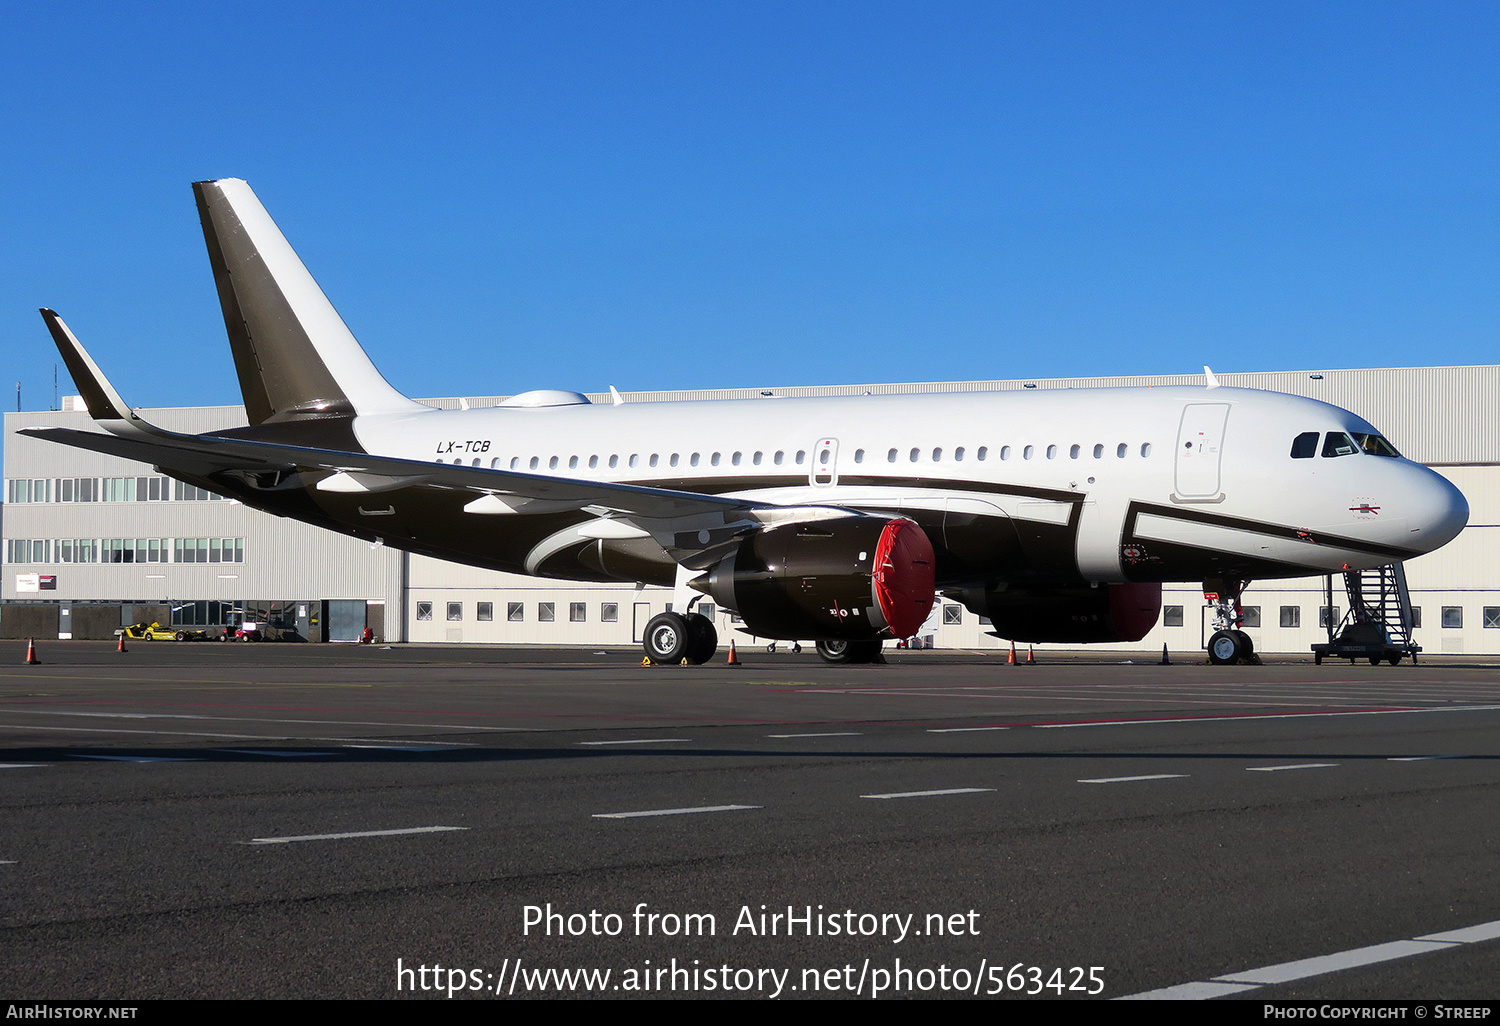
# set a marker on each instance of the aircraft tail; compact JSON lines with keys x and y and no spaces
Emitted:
{"x":295,"y":357}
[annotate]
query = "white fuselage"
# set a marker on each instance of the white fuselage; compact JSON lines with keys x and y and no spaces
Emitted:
{"x":1140,"y":477}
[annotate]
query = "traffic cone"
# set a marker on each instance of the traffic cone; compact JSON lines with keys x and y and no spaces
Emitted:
{"x":31,"y":659}
{"x":734,"y":659}
{"x":1164,"y":660}
{"x":1030,"y":656}
{"x":121,"y":647}
{"x":1010,"y":660}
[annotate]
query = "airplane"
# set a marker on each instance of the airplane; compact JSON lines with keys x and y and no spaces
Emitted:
{"x":1055,"y":513}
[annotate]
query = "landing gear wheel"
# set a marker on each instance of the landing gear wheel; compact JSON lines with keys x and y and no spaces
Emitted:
{"x":703,"y":639}
{"x":1226,"y":648}
{"x":668,"y":638}
{"x":840,"y":652}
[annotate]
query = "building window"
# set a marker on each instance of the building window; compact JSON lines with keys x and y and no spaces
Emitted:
{"x":1492,"y":616}
{"x":609,"y":612}
{"x":424,"y":610}
{"x":515,"y":612}
{"x":546,"y":612}
{"x":707,"y":609}
{"x":455,"y":610}
{"x":953,"y":614}
{"x":1171,"y":616}
{"x":1252,"y":616}
{"x":484,"y":611}
{"x":1329,"y":616}
{"x":577,"y":612}
{"x":1416,"y":617}
{"x":1291,"y":616}
{"x":1453,"y":616}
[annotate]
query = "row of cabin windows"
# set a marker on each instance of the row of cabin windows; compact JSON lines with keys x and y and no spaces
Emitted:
{"x":781,"y":457}
{"x":1291,"y":616}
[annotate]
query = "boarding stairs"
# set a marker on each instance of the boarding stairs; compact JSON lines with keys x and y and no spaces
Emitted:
{"x":1378,"y":623}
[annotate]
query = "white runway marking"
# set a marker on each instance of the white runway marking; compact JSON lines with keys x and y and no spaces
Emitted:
{"x":959,"y":730}
{"x":1126,"y":780}
{"x":265,"y":719}
{"x":637,"y":741}
{"x":929,"y":794}
{"x":361,"y":833}
{"x":1277,"y":769}
{"x":674,"y":812}
{"x":22,"y":765}
{"x":833,"y":733}
{"x":280,"y":754}
{"x":1301,"y":969}
{"x":1423,"y":758}
{"x":120,"y":730}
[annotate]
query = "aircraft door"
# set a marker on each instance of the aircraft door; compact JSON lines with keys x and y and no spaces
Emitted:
{"x":1200,"y":442}
{"x":824,"y":472}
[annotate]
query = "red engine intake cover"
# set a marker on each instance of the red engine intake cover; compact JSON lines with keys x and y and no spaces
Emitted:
{"x":904,"y":577}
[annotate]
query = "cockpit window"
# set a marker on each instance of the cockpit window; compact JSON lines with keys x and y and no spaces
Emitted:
{"x":1339,"y":444}
{"x":1305,"y":446}
{"x":1376,"y":445}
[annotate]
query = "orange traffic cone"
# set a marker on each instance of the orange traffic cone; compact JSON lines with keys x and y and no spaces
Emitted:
{"x":121,"y":646}
{"x":1030,"y":656}
{"x":734,"y":659}
{"x":31,"y":659}
{"x":1010,"y":660}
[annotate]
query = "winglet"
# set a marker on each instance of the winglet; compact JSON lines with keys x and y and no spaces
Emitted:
{"x":1213,"y":382}
{"x":104,"y":403}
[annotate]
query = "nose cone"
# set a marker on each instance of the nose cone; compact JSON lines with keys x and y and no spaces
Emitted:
{"x":1436,"y":511}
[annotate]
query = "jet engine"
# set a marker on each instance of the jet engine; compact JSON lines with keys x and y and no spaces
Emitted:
{"x":1071,"y":615}
{"x":845,"y":578}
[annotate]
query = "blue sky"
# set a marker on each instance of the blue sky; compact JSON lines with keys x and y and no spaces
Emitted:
{"x":505,"y":196}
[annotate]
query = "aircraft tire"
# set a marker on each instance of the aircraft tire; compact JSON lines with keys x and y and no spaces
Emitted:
{"x":840,"y":652}
{"x":1226,"y":648}
{"x":667,"y":638}
{"x":703,"y":639}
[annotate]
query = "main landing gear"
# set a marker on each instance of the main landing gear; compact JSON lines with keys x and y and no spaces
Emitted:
{"x":841,"y":652}
{"x":672,"y":637}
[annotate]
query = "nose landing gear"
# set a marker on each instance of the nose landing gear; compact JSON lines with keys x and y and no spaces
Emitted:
{"x":1228,"y":645}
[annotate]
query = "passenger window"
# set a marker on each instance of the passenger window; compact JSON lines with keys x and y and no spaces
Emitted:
{"x":779,"y":458}
{"x":756,"y":459}
{"x":890,"y":457}
{"x":655,"y":458}
{"x":937,"y":455}
{"x":1098,"y":452}
{"x":914,"y":454}
{"x":1027,"y":452}
{"x":614,"y":460}
{"x":1052,"y":452}
{"x":572,"y":462}
{"x":1073,"y":452}
{"x":801,"y":456}
{"x":984,"y":451}
{"x":958,"y":454}
{"x":674,"y":459}
{"x":714,"y":459}
{"x":1121,"y":450}
{"x":1339,"y":444}
{"x":536,"y":461}
{"x":593,"y":462}
{"x":859,"y":455}
{"x":1145,"y":448}
{"x":693,"y":459}
{"x":1305,"y":446}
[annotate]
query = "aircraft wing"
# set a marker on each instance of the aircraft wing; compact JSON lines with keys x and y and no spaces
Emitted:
{"x":203,"y":455}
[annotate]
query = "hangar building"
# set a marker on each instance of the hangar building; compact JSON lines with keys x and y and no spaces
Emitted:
{"x":92,"y":542}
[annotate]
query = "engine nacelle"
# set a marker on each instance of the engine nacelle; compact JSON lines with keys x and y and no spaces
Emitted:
{"x":1076,"y":615}
{"x":848,"y":578}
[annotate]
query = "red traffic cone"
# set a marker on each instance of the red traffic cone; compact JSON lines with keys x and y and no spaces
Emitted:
{"x":1030,"y":656}
{"x":31,"y":659}
{"x":121,"y":646}
{"x":1010,"y":660}
{"x":734,"y":659}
